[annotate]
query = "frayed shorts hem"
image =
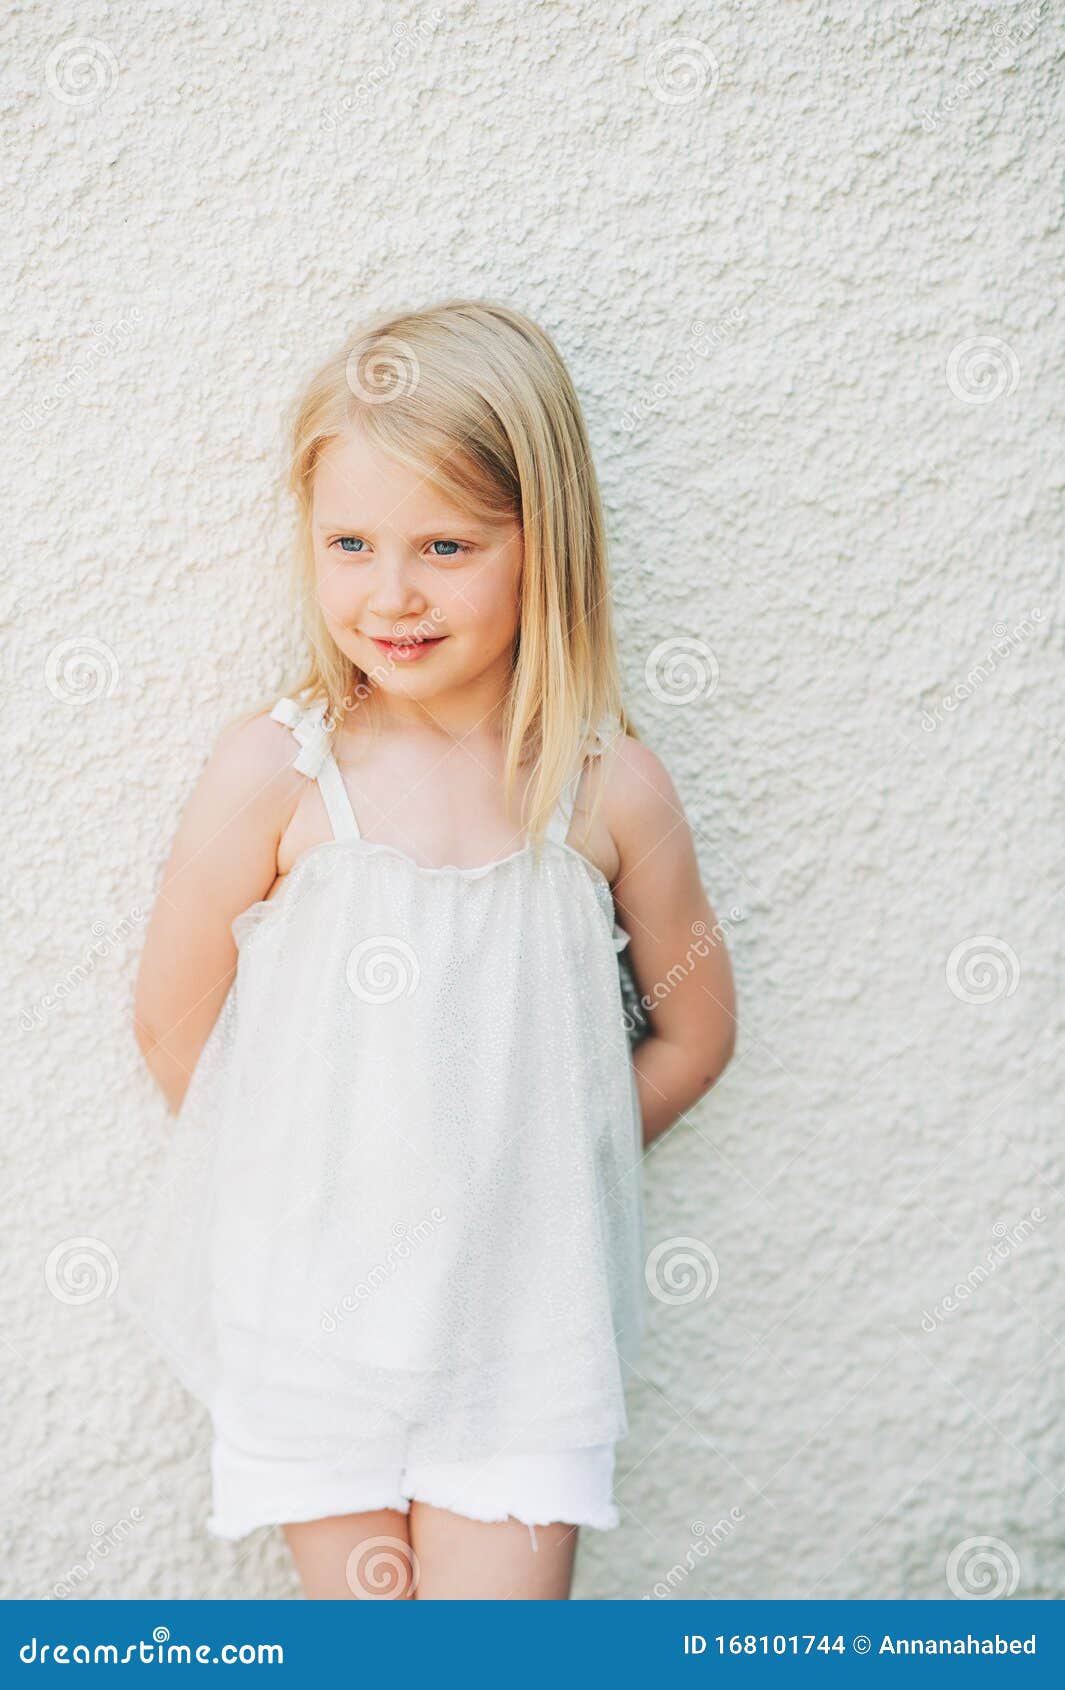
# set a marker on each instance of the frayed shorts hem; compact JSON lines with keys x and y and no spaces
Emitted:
{"x":538,"y":1488}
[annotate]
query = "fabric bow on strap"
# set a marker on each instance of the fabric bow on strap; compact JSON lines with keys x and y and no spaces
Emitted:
{"x":310,"y":729}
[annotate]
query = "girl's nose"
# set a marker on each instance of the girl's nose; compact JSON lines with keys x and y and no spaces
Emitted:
{"x":394,"y":591}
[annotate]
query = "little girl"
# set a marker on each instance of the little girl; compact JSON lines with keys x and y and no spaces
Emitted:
{"x":396,"y":1244}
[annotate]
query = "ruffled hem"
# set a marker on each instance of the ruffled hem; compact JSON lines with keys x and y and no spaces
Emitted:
{"x":571,"y":1487}
{"x":599,"y":1520}
{"x":226,"y":1531}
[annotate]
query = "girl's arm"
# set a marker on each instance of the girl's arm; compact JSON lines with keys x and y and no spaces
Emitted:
{"x":677,"y":952}
{"x":224,"y":857}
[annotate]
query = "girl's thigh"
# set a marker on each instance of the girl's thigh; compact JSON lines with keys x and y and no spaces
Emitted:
{"x":484,"y":1560}
{"x":350,"y":1556}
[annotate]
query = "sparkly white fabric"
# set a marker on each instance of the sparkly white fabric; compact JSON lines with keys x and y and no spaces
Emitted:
{"x":400,"y":1218}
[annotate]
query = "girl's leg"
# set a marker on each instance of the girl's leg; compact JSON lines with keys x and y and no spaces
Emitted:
{"x":350,"y":1556}
{"x":477,"y":1560}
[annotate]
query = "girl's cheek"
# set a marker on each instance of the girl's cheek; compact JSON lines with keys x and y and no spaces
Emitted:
{"x":490,"y":600}
{"x":335,"y":592}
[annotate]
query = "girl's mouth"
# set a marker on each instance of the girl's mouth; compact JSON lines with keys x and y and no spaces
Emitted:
{"x":407,"y":651}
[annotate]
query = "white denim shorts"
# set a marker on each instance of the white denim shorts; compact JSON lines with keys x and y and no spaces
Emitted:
{"x":575,"y":1486}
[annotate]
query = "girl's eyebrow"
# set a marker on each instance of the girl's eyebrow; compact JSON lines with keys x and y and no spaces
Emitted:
{"x":445,"y":526}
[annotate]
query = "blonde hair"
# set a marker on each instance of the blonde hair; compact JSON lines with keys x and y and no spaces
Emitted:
{"x":477,"y":397}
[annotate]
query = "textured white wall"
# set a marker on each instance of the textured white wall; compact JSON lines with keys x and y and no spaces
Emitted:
{"x":841,"y":485}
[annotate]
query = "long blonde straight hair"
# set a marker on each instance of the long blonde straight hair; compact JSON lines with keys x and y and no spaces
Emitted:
{"x":477,"y":398}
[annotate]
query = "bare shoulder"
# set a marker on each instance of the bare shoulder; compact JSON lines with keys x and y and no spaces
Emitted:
{"x":223,"y":858}
{"x":255,"y":747}
{"x":250,"y":773}
{"x":641,"y":803}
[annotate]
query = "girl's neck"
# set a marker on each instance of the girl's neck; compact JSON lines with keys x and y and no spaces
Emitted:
{"x":468,"y":715}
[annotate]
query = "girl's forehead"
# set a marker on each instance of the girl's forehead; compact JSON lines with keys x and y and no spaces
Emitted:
{"x":355,"y":479}
{"x":357,"y":474}
{"x":352,"y":456}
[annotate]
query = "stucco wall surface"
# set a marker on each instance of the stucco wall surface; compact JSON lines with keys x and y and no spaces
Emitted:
{"x":805,"y":263}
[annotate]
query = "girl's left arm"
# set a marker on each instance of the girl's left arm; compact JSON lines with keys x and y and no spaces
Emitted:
{"x":676,"y":947}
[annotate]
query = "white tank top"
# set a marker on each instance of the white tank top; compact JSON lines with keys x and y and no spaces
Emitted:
{"x":400,"y":1214}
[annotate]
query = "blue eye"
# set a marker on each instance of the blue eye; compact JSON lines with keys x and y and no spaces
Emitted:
{"x":355,"y":547}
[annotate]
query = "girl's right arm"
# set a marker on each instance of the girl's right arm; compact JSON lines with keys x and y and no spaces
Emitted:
{"x":224,"y":857}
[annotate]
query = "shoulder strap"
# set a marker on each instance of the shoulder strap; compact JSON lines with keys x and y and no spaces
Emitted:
{"x":316,"y":760}
{"x":559,"y":825}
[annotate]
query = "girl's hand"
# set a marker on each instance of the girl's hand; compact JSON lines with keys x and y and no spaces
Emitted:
{"x":676,"y":947}
{"x":224,"y":857}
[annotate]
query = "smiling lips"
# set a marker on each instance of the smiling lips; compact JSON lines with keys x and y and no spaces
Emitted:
{"x":408,"y":650}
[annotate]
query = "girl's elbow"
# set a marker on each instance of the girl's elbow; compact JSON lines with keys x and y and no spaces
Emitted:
{"x":719,"y":1051}
{"x":146,"y":1039}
